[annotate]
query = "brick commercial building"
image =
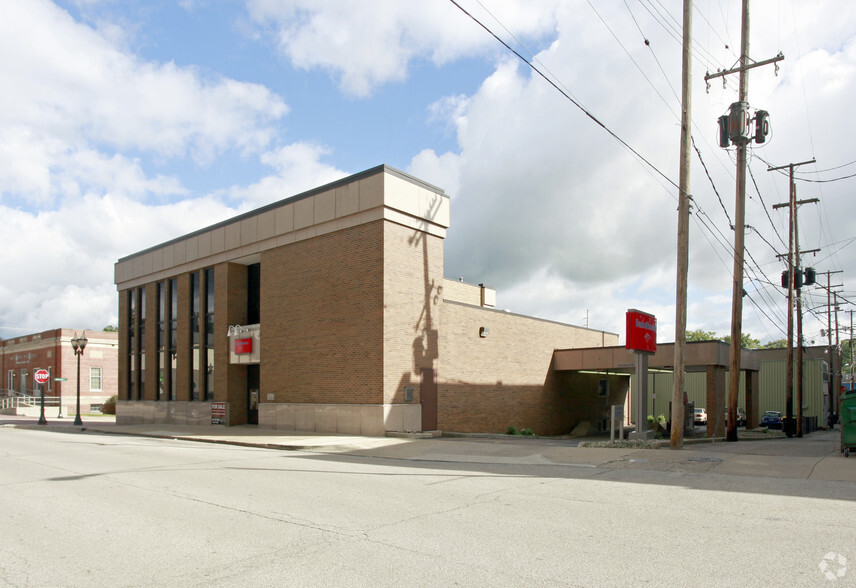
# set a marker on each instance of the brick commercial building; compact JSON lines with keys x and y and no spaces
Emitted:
{"x":329,"y":312}
{"x":52,"y":350}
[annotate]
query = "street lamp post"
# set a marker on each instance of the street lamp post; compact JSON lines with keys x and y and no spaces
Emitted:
{"x":78,"y":344}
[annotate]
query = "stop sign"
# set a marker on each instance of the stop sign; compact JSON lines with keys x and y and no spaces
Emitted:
{"x":41,"y":376}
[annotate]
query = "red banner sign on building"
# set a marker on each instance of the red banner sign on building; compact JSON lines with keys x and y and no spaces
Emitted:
{"x":641,"y":331}
{"x":243,"y":346}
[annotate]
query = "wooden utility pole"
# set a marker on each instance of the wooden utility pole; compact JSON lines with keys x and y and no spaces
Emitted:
{"x":793,"y":268}
{"x":739,"y":122}
{"x":838,"y":346}
{"x":739,"y":236}
{"x":849,"y":345}
{"x":678,"y":417}
{"x":799,"y":362}
{"x":833,"y":363}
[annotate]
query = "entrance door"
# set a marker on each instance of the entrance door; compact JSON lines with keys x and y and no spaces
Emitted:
{"x":428,"y":392}
{"x":253,"y":394}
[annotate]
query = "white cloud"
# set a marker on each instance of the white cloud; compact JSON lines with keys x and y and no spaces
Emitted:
{"x":547,"y":206}
{"x":444,"y":171}
{"x":298,"y":168}
{"x":367,"y":44}
{"x":560,"y":218}
{"x":63,"y":259}
{"x":75,"y":91}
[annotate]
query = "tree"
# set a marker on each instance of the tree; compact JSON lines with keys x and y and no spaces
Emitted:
{"x":846,"y":355}
{"x":778,"y":344}
{"x":701,"y":335}
{"x":111,"y":329}
{"x":746,"y":341}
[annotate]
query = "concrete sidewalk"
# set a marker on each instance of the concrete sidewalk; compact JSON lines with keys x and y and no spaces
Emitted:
{"x":815,"y":456}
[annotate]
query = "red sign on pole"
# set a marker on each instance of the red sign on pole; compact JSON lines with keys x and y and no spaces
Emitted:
{"x":41,"y":376}
{"x":641,"y":331}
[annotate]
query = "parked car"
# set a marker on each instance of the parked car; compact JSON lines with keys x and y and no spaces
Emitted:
{"x":772,"y":419}
{"x":741,"y":416}
{"x":700,"y":417}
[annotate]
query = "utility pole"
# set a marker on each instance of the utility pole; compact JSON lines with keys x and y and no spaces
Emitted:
{"x":739,"y":246}
{"x":829,"y":349}
{"x":676,"y":440}
{"x":838,"y":345}
{"x":737,"y":125}
{"x":792,"y":284}
{"x":800,"y":347}
{"x":850,"y":345}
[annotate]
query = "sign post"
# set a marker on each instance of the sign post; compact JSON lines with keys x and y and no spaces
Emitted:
{"x":641,"y":337}
{"x":41,"y":376}
{"x":59,"y":414}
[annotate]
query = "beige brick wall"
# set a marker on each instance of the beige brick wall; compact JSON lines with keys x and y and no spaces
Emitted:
{"x":457,"y":291}
{"x":412,"y":280}
{"x":322,"y":316}
{"x":486,"y":384}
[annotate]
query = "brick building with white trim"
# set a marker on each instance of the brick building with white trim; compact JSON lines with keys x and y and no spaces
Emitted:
{"x":21,"y":356}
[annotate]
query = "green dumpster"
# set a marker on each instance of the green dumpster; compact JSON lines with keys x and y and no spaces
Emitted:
{"x":847,"y":418}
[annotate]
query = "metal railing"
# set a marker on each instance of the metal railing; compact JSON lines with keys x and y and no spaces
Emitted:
{"x":18,"y":400}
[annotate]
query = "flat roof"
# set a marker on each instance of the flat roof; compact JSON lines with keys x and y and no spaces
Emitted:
{"x":699,"y":355}
{"x":383,"y":168}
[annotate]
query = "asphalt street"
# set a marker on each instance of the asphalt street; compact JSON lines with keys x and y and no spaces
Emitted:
{"x":119,"y":509}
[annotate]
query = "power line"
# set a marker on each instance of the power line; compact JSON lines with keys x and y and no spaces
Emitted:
{"x":715,"y":191}
{"x":764,"y":206}
{"x":710,"y":228}
{"x":826,"y":181}
{"x":829,"y":169}
{"x":568,"y":96}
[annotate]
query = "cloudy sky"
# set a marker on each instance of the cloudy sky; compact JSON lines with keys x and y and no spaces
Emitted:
{"x":126,"y":124}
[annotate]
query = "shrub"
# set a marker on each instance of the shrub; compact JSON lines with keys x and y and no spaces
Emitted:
{"x":527,"y":432}
{"x":109,"y":407}
{"x":512,"y":430}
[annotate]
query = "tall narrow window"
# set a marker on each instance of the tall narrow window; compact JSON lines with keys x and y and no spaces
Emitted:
{"x":95,"y":379}
{"x":254,"y":278}
{"x":195,"y":381}
{"x":160,"y":356}
{"x":173,"y":337}
{"x":141,"y":388}
{"x":209,"y":334}
{"x":132,"y":344}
